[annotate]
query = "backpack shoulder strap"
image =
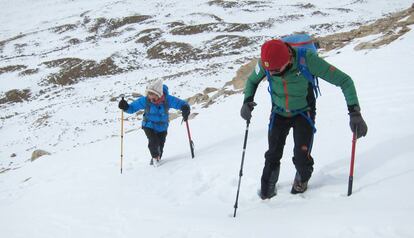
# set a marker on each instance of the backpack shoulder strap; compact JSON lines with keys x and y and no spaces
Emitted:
{"x":304,"y":70}
{"x":166,"y":105}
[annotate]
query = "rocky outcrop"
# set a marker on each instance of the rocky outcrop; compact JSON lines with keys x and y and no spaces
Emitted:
{"x":388,"y":28}
{"x":16,"y":95}
{"x":37,"y":154}
{"x":74,"y":69}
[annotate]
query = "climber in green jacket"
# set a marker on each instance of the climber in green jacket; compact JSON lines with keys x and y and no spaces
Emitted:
{"x":293,"y":106}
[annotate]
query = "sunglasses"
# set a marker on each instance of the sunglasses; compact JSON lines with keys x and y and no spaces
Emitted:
{"x":282,"y":70}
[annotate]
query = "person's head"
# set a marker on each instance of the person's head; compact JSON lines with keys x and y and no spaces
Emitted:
{"x":276,"y":57}
{"x":154,"y":91}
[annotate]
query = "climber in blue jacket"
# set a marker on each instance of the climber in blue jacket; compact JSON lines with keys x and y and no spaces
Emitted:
{"x":155,"y":122}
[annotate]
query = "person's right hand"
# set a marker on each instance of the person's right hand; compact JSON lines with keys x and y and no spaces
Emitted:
{"x":246,"y":110}
{"x":123,"y":104}
{"x":357,"y":124}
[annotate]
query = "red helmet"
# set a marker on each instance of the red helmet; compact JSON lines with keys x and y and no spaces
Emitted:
{"x":275,"y":54}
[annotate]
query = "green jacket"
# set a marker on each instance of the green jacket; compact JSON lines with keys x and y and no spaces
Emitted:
{"x":290,"y":90}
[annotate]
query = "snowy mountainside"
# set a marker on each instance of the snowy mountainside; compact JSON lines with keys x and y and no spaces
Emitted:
{"x":65,"y":63}
{"x":77,"y":191}
{"x":80,"y":192}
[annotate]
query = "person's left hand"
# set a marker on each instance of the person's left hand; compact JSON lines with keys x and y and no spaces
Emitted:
{"x":185,"y":110}
{"x":357,"y":124}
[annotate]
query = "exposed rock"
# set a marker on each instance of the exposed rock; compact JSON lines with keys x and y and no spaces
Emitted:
{"x":288,"y":18}
{"x":63,"y":28}
{"x":209,"y":90}
{"x":173,"y":115}
{"x":149,"y":36}
{"x":173,"y":52}
{"x":73,"y":69}
{"x":211,"y":27}
{"x":224,"y":4}
{"x":315,"y":13}
{"x":74,"y":41}
{"x":198,"y":98}
{"x":3,"y":170}
{"x":175,"y":24}
{"x":19,"y":48}
{"x":390,"y":28}
{"x":28,"y":72}
{"x":117,"y":23}
{"x":226,"y":45}
{"x":12,"y":68}
{"x":4,"y":42}
{"x":16,"y":95}
{"x":106,"y":26}
{"x":207,"y":15}
{"x":42,"y":120}
{"x":38,"y":153}
{"x":346,"y":10}
{"x":242,"y":74}
{"x":305,"y":6}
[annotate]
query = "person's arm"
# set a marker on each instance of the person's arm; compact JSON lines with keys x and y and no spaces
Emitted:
{"x":179,"y":104}
{"x":137,"y":105}
{"x":322,"y":69}
{"x":252,"y":82}
{"x":176,"y":103}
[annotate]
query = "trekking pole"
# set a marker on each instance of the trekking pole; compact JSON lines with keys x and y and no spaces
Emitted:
{"x":241,"y":167}
{"x":351,"y":170}
{"x":122,"y":136}
{"x":190,"y":140}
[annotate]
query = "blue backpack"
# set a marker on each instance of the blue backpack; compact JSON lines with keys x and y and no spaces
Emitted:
{"x":303,"y":42}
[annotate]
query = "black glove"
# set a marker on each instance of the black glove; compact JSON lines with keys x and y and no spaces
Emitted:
{"x":123,"y":104}
{"x":246,"y":110}
{"x":356,"y":122}
{"x":185,"y":110}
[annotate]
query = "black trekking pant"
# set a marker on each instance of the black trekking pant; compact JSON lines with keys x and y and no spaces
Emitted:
{"x":156,"y":141}
{"x":279,"y":127}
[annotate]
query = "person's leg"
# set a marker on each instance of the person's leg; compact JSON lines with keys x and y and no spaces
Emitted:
{"x":303,"y":139}
{"x":153,"y":142}
{"x":278,"y":131}
{"x":162,"y":137}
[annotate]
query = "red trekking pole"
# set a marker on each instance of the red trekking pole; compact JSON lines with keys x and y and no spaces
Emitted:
{"x":190,"y":140}
{"x":351,"y":170}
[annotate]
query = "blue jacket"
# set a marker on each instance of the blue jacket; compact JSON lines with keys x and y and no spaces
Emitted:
{"x":156,"y":117}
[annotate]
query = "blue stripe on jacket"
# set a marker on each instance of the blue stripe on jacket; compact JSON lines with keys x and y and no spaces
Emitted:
{"x":156,"y":118}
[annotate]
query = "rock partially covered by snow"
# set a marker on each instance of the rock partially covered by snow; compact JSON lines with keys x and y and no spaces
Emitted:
{"x":38,"y":153}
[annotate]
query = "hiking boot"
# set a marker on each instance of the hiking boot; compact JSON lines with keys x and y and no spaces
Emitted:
{"x":298,"y":185}
{"x":265,"y":195}
{"x":155,"y":161}
{"x":269,"y":189}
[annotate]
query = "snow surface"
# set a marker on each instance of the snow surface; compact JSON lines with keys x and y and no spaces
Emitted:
{"x":78,"y":191}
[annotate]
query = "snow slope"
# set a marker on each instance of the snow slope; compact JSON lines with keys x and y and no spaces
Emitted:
{"x":60,"y":117}
{"x":79,"y":192}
